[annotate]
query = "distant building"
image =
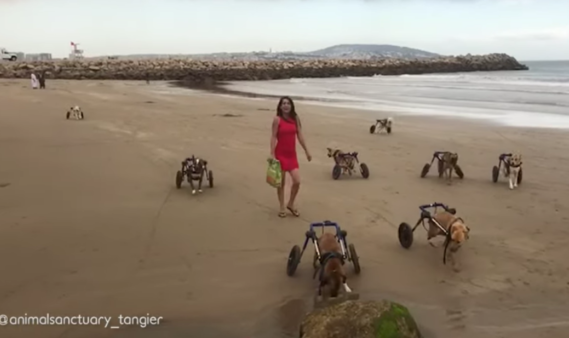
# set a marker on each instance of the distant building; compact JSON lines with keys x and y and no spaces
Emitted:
{"x":38,"y":57}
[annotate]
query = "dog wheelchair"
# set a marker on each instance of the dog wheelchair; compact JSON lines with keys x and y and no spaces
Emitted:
{"x":347,"y":164}
{"x":504,"y":160}
{"x":438,"y":155}
{"x":75,"y":113}
{"x":405,"y":231}
{"x":381,"y":124}
{"x":194,"y":169}
{"x":348,"y":250}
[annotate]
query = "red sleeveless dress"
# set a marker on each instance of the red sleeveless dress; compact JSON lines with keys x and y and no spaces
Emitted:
{"x":285,"y":151}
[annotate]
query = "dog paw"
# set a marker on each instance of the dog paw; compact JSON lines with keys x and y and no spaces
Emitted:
{"x":193,"y":192}
{"x":200,"y":191}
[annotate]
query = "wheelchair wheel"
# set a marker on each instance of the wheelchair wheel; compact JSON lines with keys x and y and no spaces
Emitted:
{"x":495,"y":174}
{"x":459,"y":171}
{"x":405,"y":233}
{"x":179,"y":179}
{"x":364,"y":170}
{"x":354,"y":258}
{"x":293,"y":260}
{"x":425,"y":170}
{"x":336,"y":172}
{"x":210,"y":178}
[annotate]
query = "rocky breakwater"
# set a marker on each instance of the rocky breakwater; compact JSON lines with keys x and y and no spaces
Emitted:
{"x":200,"y":71}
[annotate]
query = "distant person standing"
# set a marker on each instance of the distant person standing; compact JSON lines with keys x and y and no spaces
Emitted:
{"x":42,"y":80}
{"x":286,"y":129}
{"x":35,"y":83}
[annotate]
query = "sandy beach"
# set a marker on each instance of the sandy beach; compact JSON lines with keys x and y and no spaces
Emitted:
{"x":92,"y":224}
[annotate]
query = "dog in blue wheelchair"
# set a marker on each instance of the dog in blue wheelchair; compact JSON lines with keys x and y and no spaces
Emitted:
{"x":194,"y":169}
{"x":331,"y":250}
{"x":440,"y":223}
{"x":511,"y":165}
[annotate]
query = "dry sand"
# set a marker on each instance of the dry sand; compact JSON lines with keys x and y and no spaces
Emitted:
{"x":91,"y":223}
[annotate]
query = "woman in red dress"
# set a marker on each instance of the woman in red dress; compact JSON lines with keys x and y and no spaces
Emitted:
{"x":286,"y":129}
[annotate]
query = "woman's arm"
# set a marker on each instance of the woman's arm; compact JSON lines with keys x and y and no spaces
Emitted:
{"x":301,"y":139}
{"x":275,"y":129}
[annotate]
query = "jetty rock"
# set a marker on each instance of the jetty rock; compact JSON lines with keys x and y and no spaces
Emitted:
{"x":361,"y":319}
{"x":198,"y":71}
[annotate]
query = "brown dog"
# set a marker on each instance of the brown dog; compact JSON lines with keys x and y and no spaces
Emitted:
{"x":343,"y":159}
{"x":449,"y":161}
{"x":457,"y":233}
{"x":332,"y":275}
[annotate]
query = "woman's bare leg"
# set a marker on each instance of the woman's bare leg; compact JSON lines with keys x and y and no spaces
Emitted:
{"x":281,"y":195}
{"x":295,"y":175}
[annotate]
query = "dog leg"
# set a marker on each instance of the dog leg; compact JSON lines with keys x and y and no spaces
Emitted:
{"x":511,"y":179}
{"x":454,"y":264}
{"x":191,"y":182}
{"x":448,"y":172}
{"x":200,"y":182}
{"x":516,"y":179}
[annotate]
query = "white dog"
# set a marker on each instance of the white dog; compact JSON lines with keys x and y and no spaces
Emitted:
{"x":76,"y":113}
{"x":512,"y":169}
{"x":381,"y":124}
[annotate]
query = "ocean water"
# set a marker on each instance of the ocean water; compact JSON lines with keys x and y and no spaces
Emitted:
{"x":535,"y":98}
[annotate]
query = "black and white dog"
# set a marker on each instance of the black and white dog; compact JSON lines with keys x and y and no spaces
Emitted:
{"x":195,"y":169}
{"x":381,"y":124}
{"x":76,"y":113}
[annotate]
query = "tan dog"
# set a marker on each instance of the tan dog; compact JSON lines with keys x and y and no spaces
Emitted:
{"x":457,"y":233}
{"x":449,"y":161}
{"x":332,"y":275}
{"x":342,"y":159}
{"x":512,"y":169}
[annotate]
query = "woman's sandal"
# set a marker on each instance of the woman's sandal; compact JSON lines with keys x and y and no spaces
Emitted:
{"x":294,"y":212}
{"x":282,"y":214}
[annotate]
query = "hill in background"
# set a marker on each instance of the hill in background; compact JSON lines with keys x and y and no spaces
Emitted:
{"x":346,"y":51}
{"x":369,"y":51}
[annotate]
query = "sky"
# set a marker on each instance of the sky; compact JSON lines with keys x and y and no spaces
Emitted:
{"x":525,"y":29}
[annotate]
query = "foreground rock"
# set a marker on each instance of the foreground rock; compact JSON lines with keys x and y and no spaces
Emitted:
{"x":357,"y":319}
{"x":199,"y":71}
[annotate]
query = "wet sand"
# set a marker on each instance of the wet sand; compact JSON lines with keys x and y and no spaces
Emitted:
{"x":91,"y":223}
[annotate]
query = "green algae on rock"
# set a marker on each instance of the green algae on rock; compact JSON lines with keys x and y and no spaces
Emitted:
{"x":355,"y":319}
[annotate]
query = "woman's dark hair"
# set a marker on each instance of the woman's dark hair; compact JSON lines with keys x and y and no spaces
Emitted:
{"x":292,"y":113}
